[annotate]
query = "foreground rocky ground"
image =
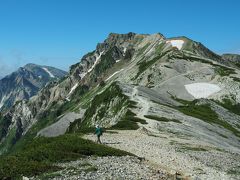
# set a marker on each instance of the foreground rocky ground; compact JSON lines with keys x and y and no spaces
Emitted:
{"x":102,"y":168}
{"x":199,"y":161}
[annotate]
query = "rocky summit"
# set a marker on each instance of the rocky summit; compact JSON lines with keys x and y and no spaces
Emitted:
{"x":171,"y":102}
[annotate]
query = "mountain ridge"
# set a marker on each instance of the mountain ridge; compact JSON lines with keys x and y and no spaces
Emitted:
{"x":134,"y":81}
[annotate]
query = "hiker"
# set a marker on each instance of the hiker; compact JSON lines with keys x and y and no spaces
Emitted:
{"x":98,"y":132}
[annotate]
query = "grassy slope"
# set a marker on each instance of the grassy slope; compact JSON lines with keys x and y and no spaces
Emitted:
{"x":162,"y":119}
{"x":40,"y":155}
{"x":128,"y":122}
{"x":145,"y":63}
{"x":227,"y":104}
{"x":100,"y":105}
{"x":205,"y":113}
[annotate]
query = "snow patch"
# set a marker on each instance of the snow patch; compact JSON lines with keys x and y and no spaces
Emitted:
{"x":82,"y":75}
{"x":96,"y":61}
{"x":118,"y":60}
{"x":71,"y":91}
{"x":73,"y":88}
{"x":176,"y":43}
{"x":67,"y":98}
{"x":2,"y":101}
{"x":124,"y":51}
{"x":50,"y":74}
{"x":114,"y":74}
{"x":202,"y":90}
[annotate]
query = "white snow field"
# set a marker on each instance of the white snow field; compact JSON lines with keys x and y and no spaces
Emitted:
{"x":202,"y":90}
{"x":176,"y":43}
{"x":2,"y":101}
{"x":50,"y":74}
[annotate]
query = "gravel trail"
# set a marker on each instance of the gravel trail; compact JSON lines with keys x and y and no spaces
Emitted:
{"x":171,"y":156}
{"x":102,"y":168}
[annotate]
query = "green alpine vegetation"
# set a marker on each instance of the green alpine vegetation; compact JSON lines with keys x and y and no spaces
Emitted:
{"x":107,"y":61}
{"x":40,"y":155}
{"x":224,"y":71}
{"x":205,"y":113}
{"x":229,"y":105}
{"x":141,"y":51}
{"x":100,"y":105}
{"x":129,"y":122}
{"x":161,"y":119}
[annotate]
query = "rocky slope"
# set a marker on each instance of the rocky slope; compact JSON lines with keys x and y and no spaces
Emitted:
{"x":231,"y":57}
{"x":110,"y":167}
{"x":175,"y":153}
{"x":234,"y":58}
{"x":176,"y":87}
{"x":25,"y":83}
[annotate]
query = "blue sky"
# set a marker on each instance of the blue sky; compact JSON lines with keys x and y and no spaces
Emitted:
{"x":59,"y":32}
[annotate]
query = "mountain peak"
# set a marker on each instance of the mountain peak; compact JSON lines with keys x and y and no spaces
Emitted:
{"x":26,"y":82}
{"x":131,"y":35}
{"x":113,"y":38}
{"x":114,"y":35}
{"x":31,"y":65}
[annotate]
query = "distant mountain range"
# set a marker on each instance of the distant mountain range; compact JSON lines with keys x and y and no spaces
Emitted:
{"x":26,"y":82}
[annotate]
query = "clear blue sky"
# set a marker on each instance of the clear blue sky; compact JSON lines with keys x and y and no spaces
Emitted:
{"x":59,"y":32}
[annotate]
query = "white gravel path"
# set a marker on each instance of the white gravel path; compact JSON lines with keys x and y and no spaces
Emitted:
{"x":102,"y":168}
{"x":168,"y":155}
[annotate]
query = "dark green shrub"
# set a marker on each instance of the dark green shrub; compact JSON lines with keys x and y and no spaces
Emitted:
{"x":39,"y":155}
{"x":163,"y":119}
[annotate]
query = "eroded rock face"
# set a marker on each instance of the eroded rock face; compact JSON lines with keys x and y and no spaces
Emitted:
{"x":116,"y":47}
